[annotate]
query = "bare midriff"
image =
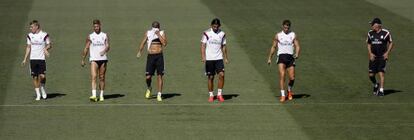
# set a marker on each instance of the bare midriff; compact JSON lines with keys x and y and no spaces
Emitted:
{"x":155,"y":48}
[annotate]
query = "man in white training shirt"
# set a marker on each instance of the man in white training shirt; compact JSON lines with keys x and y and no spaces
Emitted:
{"x":213,"y":51}
{"x":287,"y":45}
{"x":156,"y":41}
{"x":97,"y":44}
{"x":38,"y":44}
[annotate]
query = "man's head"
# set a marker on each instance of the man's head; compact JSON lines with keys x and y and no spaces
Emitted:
{"x":34,"y":26}
{"x":286,"y":25}
{"x":96,"y":25}
{"x":155,"y":24}
{"x":376,"y":24}
{"x":215,"y":24}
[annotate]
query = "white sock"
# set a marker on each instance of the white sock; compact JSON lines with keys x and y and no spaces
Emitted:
{"x":282,"y":92}
{"x":211,"y":94}
{"x":159,"y":94}
{"x":37,"y":92}
{"x":219,"y":91}
{"x":101,"y":95}
{"x":42,"y":89}
{"x":381,"y":89}
{"x":94,"y":92}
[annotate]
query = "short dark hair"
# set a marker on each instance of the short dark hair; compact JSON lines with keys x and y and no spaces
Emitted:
{"x":286,"y":22}
{"x":96,"y":21}
{"x":34,"y":22}
{"x":216,"y":21}
{"x":155,"y":24}
{"x":375,"y":21}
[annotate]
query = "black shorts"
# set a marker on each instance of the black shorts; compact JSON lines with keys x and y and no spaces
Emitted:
{"x":155,"y":62}
{"x":286,"y":59}
{"x":37,"y":67}
{"x":377,"y":65}
{"x":214,"y":66}
{"x":100,"y":62}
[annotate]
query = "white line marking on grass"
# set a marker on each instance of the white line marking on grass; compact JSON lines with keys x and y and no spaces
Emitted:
{"x":212,"y":104}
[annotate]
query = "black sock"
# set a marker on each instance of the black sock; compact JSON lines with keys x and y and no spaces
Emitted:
{"x":290,"y":84}
{"x":148,"y":83}
{"x":373,"y":80}
{"x":43,"y":82}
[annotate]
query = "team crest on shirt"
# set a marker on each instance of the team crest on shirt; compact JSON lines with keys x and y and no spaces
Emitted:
{"x":382,"y":37}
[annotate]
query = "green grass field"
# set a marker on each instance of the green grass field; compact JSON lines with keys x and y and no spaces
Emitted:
{"x":332,"y":83}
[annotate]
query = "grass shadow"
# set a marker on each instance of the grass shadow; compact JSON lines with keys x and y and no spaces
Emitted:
{"x":113,"y":96}
{"x":391,"y":91}
{"x":230,"y":96}
{"x":55,"y":95}
{"x":170,"y":95}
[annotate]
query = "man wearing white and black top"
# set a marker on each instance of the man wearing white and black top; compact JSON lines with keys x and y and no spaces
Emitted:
{"x":97,"y":44}
{"x":156,"y":41}
{"x":379,"y":46}
{"x":287,"y":45}
{"x":213,"y":53}
{"x":38,"y":44}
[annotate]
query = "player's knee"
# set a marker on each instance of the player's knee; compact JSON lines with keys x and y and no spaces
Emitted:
{"x":221,"y":74}
{"x":102,"y":77}
{"x":148,"y":77}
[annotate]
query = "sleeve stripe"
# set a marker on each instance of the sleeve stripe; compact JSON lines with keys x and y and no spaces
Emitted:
{"x":205,"y":35}
{"x":47,"y":35}
{"x":28,"y":37}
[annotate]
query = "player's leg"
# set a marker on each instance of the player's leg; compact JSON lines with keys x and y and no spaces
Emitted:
{"x":42,"y":76}
{"x":160,"y":73}
{"x":36,"y":83}
{"x":282,"y":73}
{"x":34,"y":68}
{"x":210,"y":72}
{"x":42,"y":79}
{"x":220,"y":85}
{"x":102,"y":73}
{"x":372,"y":73}
{"x":381,"y":87}
{"x":291,"y":73}
{"x":149,"y":72}
{"x":94,"y":73}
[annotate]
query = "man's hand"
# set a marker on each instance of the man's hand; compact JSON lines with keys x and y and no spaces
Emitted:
{"x":46,"y":53}
{"x":371,"y":57}
{"x":203,"y":60}
{"x":102,"y":53}
{"x":269,"y":61}
{"x":385,"y":56}
{"x":139,"y":54}
{"x":296,"y":56}
{"x":226,"y":61}
{"x":83,"y":63}
{"x":24,"y":62}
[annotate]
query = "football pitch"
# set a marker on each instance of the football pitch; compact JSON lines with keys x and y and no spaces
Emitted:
{"x":333,"y":93}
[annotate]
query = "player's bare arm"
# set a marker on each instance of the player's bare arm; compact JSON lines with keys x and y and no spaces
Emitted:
{"x":273,"y":49}
{"x":85,"y":51}
{"x":163,"y":38}
{"x":389,"y":48}
{"x":26,"y":54}
{"x":203,"y":52}
{"x":297,"y":48}
{"x":225,"y":56}
{"x":371,"y":56}
{"x":142,"y":45}
{"x":106,"y":46}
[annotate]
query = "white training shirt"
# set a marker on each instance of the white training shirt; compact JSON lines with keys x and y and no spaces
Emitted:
{"x":214,"y":42}
{"x":151,"y":36}
{"x":38,"y":42}
{"x":285,"y":42}
{"x":97,"y":46}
